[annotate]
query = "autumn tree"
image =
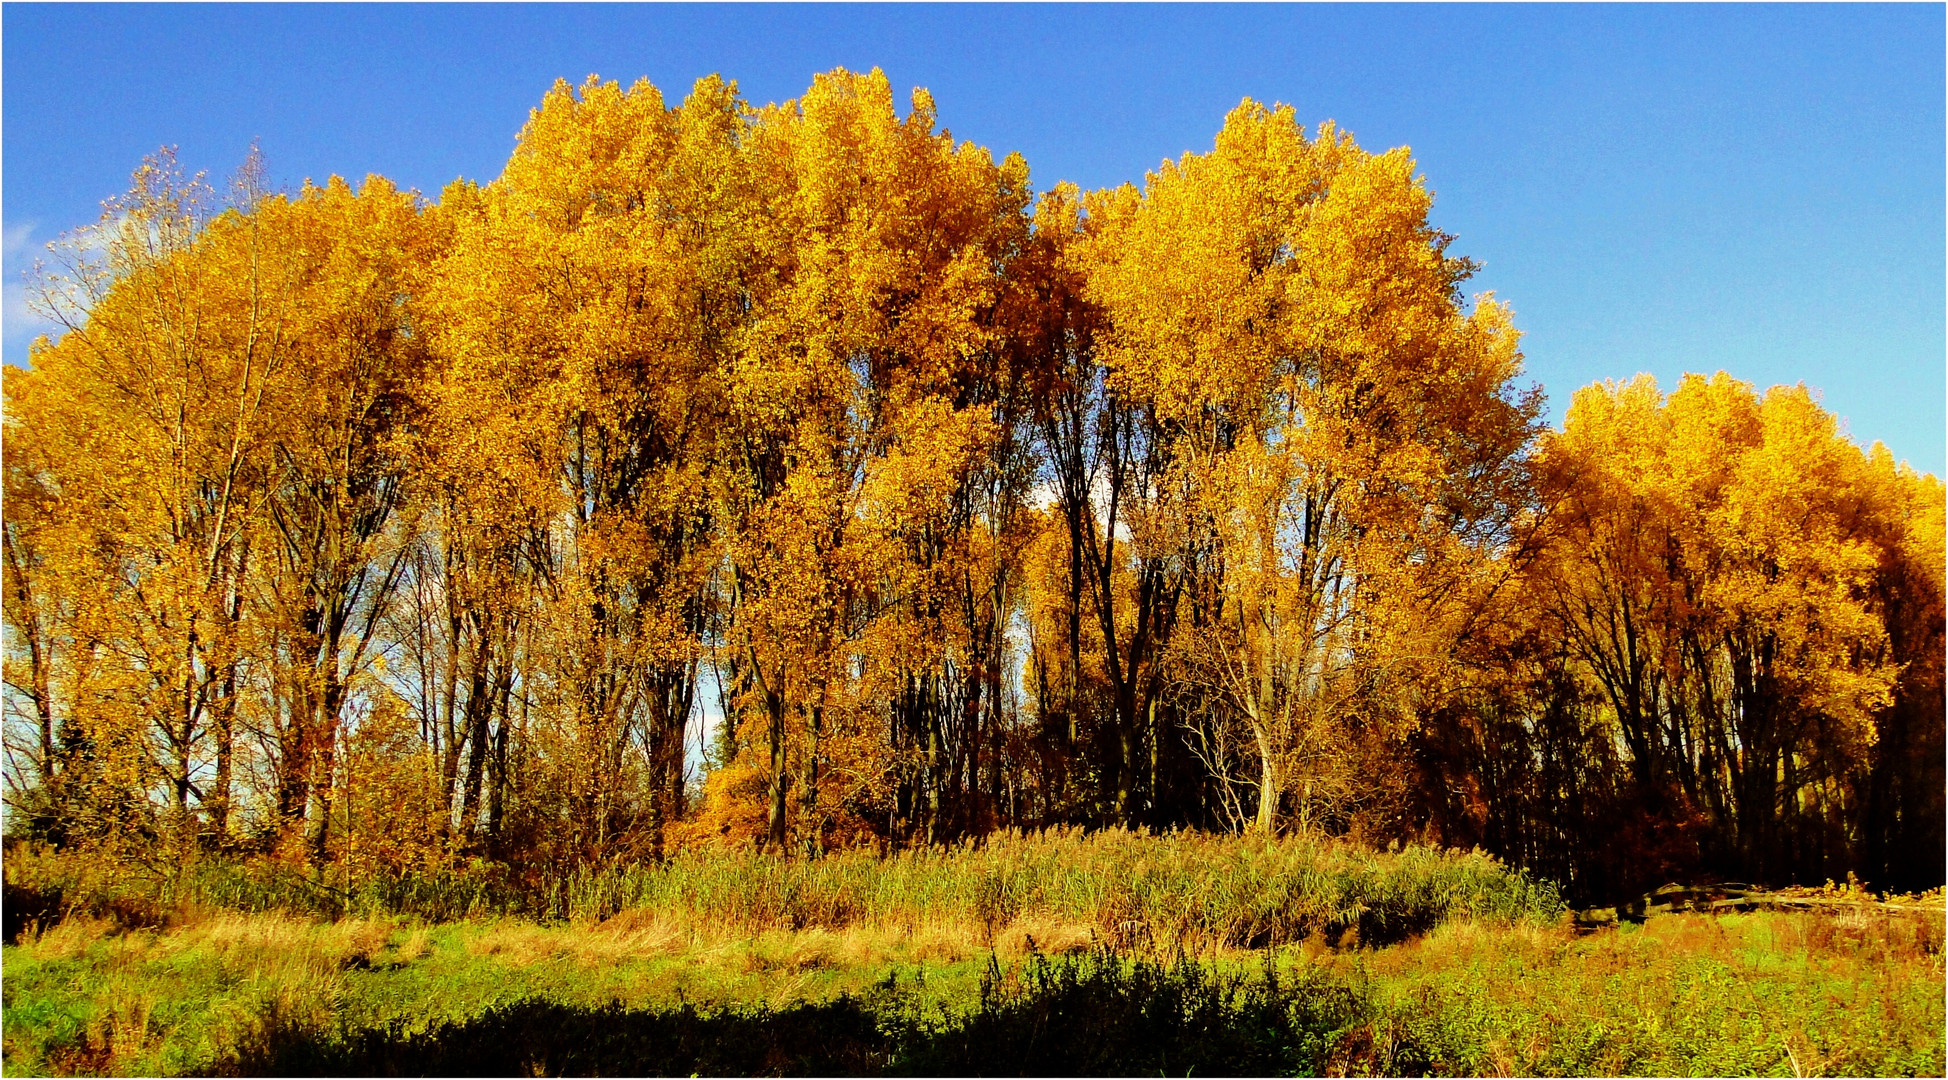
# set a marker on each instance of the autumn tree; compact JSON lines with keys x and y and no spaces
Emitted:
{"x":582,"y":321}
{"x":337,"y":437}
{"x":866,"y":397}
{"x":135,"y":439}
{"x":1713,"y":582}
{"x":1903,"y":796}
{"x":213,"y":424}
{"x":1303,"y":441}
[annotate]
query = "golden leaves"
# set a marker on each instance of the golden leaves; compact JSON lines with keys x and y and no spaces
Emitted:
{"x":780,"y":389}
{"x":1739,"y":536}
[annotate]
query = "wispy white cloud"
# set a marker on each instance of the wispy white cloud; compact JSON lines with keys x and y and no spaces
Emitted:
{"x":19,"y":325}
{"x":23,"y":249}
{"x":16,"y":240}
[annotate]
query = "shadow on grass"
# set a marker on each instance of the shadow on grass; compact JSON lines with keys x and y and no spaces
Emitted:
{"x":1083,"y":1017}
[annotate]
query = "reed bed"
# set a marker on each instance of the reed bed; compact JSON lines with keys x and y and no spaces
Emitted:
{"x":1131,"y":888}
{"x":1127,"y":889}
{"x":1054,"y":953}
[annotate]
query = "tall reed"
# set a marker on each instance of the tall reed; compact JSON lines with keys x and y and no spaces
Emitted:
{"x":1128,"y":888}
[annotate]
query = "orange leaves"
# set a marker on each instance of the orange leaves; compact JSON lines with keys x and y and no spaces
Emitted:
{"x":587,"y":154}
{"x":1170,"y":504}
{"x":1333,"y":443}
{"x":1375,"y":280}
{"x":1716,"y":563}
{"x":1741,"y":515}
{"x":932,"y":449}
{"x":881,"y":242}
{"x":227,"y":424}
{"x":1192,"y":271}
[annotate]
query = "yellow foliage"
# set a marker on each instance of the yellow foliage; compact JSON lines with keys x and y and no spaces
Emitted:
{"x":379,"y":533}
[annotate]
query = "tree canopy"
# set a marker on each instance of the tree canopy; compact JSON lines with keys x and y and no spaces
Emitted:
{"x":798,"y":476}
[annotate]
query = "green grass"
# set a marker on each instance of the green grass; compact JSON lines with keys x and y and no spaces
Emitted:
{"x":1115,"y":953}
{"x":1770,"y":994}
{"x":1758,"y":994}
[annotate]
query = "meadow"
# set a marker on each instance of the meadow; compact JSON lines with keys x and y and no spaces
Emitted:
{"x":1060,"y":953}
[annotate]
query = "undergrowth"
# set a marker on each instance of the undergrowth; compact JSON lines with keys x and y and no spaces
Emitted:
{"x":1180,"y":890}
{"x":1769,"y":993}
{"x":1112,"y":953}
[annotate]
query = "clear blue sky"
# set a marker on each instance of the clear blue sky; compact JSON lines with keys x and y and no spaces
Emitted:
{"x":1662,"y":188}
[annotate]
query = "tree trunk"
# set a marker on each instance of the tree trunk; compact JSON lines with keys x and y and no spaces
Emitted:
{"x":808,"y":798}
{"x":1267,"y":820}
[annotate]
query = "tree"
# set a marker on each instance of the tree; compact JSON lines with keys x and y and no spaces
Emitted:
{"x":143,"y":425}
{"x":378,"y":536}
{"x":1316,"y":445}
{"x":1711,"y":567}
{"x":862,"y":399}
{"x":338,"y":427}
{"x":582,"y":319}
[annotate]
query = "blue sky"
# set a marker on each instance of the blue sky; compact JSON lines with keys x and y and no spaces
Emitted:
{"x":1664,"y":188}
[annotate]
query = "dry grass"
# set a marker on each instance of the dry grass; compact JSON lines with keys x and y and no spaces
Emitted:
{"x":640,"y":934}
{"x":68,"y":937}
{"x":1189,"y":890}
{"x":1045,"y":936}
{"x":517,"y":943}
{"x":117,"y":1039}
{"x":414,"y":946}
{"x":1684,"y":994}
{"x":1773,"y":993}
{"x":1450,"y":963}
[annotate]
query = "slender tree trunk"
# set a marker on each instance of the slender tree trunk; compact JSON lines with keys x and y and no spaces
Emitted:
{"x":1268,"y":784}
{"x":326,"y":756}
{"x":808,"y":798}
{"x":775,"y":824}
{"x":478,"y":713}
{"x":219,"y":801}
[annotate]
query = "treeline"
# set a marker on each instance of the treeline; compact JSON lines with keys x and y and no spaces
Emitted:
{"x":378,"y":533}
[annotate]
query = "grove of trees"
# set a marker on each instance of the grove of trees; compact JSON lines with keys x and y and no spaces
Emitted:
{"x":797,"y":476}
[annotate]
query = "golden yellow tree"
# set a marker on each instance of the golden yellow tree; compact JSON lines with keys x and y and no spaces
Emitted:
{"x":582,"y":320}
{"x":858,"y":410}
{"x":1331,"y":441}
{"x":336,"y":431}
{"x":218,"y":419}
{"x":143,"y":423}
{"x":1712,"y":562}
{"x":364,"y":532}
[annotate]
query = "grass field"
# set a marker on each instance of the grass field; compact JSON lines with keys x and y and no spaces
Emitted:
{"x":1112,"y":954}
